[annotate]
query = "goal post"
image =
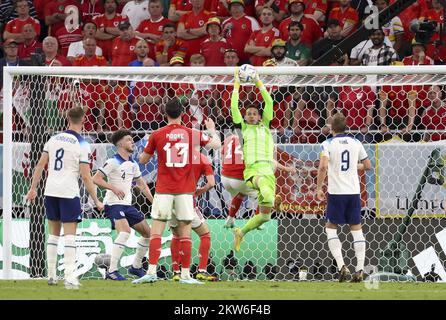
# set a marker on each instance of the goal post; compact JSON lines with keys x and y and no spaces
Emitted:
{"x":35,"y":100}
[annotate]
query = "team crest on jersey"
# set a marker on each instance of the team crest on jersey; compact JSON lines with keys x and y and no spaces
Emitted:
{"x":297,"y":54}
{"x":360,"y":95}
{"x":61,"y":8}
{"x":243,"y":26}
{"x":115,"y":23}
{"x":266,"y":39}
{"x":201,"y":23}
{"x":122,"y":213}
{"x":132,"y":48}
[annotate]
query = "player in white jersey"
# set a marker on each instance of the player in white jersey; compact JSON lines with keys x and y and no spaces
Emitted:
{"x":342,"y":156}
{"x":67,"y":155}
{"x":121,"y":171}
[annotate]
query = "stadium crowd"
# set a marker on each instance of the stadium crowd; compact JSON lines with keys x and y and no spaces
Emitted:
{"x":143,"y":33}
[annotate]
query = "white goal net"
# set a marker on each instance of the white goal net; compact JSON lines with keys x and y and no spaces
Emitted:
{"x":398,"y":113}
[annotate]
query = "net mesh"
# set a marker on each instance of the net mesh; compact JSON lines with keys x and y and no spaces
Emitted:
{"x":401,"y":119}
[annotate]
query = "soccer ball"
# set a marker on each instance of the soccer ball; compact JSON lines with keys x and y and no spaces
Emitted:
{"x":247,"y":73}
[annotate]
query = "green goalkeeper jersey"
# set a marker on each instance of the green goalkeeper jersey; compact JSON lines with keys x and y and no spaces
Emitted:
{"x":258,"y":144}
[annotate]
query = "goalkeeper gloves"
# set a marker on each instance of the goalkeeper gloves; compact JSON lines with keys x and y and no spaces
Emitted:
{"x":259,"y":83}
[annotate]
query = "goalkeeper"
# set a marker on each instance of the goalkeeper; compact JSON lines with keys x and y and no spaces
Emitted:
{"x":258,"y":153}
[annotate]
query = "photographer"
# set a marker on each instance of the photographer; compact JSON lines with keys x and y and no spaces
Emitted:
{"x":428,"y":31}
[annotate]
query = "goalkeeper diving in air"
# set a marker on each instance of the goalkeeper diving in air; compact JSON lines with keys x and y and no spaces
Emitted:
{"x":258,"y":154}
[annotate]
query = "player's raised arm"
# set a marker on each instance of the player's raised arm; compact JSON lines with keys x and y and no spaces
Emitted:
{"x":215,"y":141}
{"x":89,"y":185}
{"x":43,"y":161}
{"x":142,"y":185}
{"x":268,"y":110}
{"x":235,"y":112}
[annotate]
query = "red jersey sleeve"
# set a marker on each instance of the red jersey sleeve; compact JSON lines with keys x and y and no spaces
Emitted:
{"x":151,"y":145}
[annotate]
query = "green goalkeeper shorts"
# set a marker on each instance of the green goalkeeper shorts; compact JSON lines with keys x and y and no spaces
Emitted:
{"x":266,"y":185}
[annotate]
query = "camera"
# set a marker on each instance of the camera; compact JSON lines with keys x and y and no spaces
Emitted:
{"x":423,"y":30}
{"x":38,"y":58}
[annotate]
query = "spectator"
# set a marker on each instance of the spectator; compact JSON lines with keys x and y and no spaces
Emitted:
{"x":324,"y":45}
{"x":192,"y":27}
{"x":66,"y":36}
{"x":176,"y":61}
{"x":169,"y":46}
{"x":418,"y":56}
{"x":30,"y":43}
{"x":394,"y":28}
{"x":434,"y":117}
{"x":13,"y":29}
{"x":278,"y":52}
{"x":142,"y":55}
{"x":311,"y":32}
{"x":231,"y":58}
{"x":437,"y":52}
{"x":124,"y":45}
{"x":77,"y":48}
{"x":152,"y":29}
{"x":11,"y":58}
{"x":114,"y":110}
{"x":107,"y":27}
{"x":8,"y":12}
{"x":90,"y":58}
{"x":379,"y":54}
{"x":259,"y":44}
{"x":278,"y":6}
{"x":317,"y":9}
{"x":214,"y":47}
{"x":137,"y":11}
{"x":296,"y":50}
{"x":358,"y":51}
{"x":347,"y":17}
{"x":238,"y":29}
{"x":60,"y":13}
{"x":220,"y":7}
{"x":52,"y":58}
{"x":178,"y":8}
{"x":91,"y":9}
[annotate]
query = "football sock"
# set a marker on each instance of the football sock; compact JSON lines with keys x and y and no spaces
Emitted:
{"x":359,"y":246}
{"x":51,"y":255}
{"x":255,"y":221}
{"x":141,"y":251}
{"x":235,"y":205}
{"x":205,"y":247}
{"x":70,"y":255}
{"x":335,"y":246}
{"x":118,"y":248}
{"x":154,"y":252}
{"x":175,"y":253}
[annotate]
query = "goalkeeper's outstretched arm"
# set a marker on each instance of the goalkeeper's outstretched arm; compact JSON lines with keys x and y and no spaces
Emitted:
{"x":235,"y":112}
{"x":268,"y":110}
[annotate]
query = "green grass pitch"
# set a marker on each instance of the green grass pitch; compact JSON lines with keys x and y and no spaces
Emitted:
{"x":224,"y":290}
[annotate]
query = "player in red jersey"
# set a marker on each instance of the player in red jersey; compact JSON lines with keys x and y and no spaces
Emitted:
{"x":124,"y":45}
{"x":107,"y":25}
{"x":175,"y":185}
{"x":259,"y":44}
{"x":192,"y":27}
{"x":202,"y":168}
